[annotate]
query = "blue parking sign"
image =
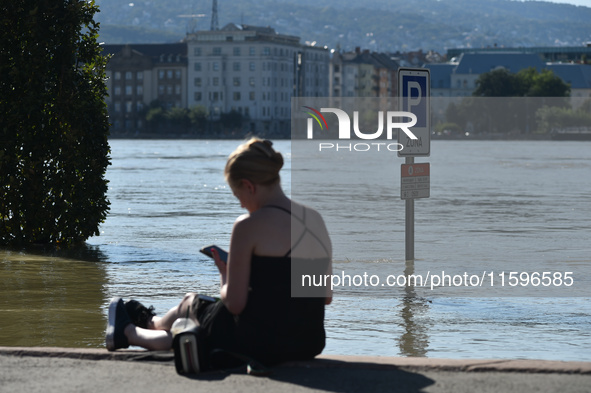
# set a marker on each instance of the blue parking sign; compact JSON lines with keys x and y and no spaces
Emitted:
{"x":414,"y":96}
{"x":413,"y":100}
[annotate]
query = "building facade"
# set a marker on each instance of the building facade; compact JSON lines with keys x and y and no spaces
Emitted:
{"x":362,"y":74}
{"x":253,"y":71}
{"x":142,"y":75}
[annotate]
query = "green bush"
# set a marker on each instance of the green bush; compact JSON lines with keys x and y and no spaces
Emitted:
{"x":54,"y":125}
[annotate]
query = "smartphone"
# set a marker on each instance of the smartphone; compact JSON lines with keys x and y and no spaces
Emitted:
{"x":223,"y":254}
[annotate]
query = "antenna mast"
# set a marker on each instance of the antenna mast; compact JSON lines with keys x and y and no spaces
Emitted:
{"x":214,"y":16}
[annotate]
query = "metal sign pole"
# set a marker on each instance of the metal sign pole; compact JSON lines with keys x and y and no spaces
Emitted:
{"x":410,"y":223}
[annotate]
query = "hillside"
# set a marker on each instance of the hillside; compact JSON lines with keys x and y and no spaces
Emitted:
{"x":383,"y":25}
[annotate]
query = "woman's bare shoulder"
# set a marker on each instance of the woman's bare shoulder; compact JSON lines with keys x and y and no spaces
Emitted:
{"x":305,"y":211}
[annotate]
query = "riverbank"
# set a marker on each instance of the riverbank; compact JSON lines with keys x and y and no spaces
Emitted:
{"x":95,"y":370}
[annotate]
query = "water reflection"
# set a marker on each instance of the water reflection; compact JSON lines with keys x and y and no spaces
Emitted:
{"x":414,"y":341}
{"x":52,"y":297}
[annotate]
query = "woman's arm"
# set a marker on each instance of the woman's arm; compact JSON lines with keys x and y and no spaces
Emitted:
{"x":236,"y":278}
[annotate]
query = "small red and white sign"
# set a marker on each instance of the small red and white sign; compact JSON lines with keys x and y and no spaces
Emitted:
{"x":415,"y":181}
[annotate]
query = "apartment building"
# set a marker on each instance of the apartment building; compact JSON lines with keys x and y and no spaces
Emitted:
{"x":362,"y":74}
{"x":254,"y":71}
{"x":141,"y":74}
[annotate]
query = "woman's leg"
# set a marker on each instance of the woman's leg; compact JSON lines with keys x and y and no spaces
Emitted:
{"x":180,"y":311}
{"x":158,"y":336}
{"x":154,"y":340}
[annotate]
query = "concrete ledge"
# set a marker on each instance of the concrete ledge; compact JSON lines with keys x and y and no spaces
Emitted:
{"x":87,"y":353}
{"x":467,"y":365}
{"x":329,"y":361}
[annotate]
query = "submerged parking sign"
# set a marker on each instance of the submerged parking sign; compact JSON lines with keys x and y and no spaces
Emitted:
{"x":414,"y":93}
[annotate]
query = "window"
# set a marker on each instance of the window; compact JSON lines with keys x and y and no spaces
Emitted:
{"x":139,"y":90}
{"x":129,"y":106}
{"x":252,"y":51}
{"x":139,"y":75}
{"x":216,"y":81}
{"x":197,"y":52}
{"x":217,"y":51}
{"x":198,"y":82}
{"x":169,"y":74}
{"x":197,"y":66}
{"x":236,"y":81}
{"x":128,"y":90}
{"x":177,"y":89}
{"x":169,"y":89}
{"x":236,"y":66}
{"x":251,"y":66}
{"x":266,"y":51}
{"x":236,"y":96}
{"x":237,"y":51}
{"x":198,"y":96}
{"x":128,"y":75}
{"x":161,"y":90}
{"x":216,"y":66}
{"x":161,"y":74}
{"x":117,"y":106}
{"x":117,"y":75}
{"x":117,"y":90}
{"x":251,"y":96}
{"x":177,"y":74}
{"x":251,"y":81}
{"x":139,"y":106}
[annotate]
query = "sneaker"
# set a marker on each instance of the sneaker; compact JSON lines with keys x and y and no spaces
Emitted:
{"x":140,"y":315}
{"x":118,"y":320}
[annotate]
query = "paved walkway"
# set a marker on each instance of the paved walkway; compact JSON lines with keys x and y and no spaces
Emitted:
{"x":63,"y":370}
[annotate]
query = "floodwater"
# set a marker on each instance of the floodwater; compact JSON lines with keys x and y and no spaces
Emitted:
{"x":495,"y":207}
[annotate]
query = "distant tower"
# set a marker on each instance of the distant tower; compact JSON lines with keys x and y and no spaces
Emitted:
{"x":214,"y":16}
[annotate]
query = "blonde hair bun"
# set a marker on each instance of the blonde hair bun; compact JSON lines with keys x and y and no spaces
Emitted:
{"x":256,"y":161}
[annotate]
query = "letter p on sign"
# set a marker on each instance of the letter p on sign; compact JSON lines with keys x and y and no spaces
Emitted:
{"x":414,"y":96}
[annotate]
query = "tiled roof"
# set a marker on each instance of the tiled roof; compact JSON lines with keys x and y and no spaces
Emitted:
{"x":479,"y":63}
{"x":577,"y":75}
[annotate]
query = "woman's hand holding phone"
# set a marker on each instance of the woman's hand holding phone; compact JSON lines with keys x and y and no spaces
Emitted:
{"x":221,"y":264}
{"x":219,"y":256}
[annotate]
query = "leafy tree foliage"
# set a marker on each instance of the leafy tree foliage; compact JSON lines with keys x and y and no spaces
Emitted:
{"x":551,"y":118}
{"x":526,"y":83}
{"x":497,"y":83}
{"x":504,"y":102}
{"x":541,"y":84}
{"x":54,"y":125}
{"x":176,"y":120}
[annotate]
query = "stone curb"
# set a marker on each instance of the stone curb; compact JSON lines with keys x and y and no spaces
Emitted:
{"x":330,"y":361}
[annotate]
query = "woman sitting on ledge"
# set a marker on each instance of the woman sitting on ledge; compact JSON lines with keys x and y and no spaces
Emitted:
{"x":257,"y":315}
